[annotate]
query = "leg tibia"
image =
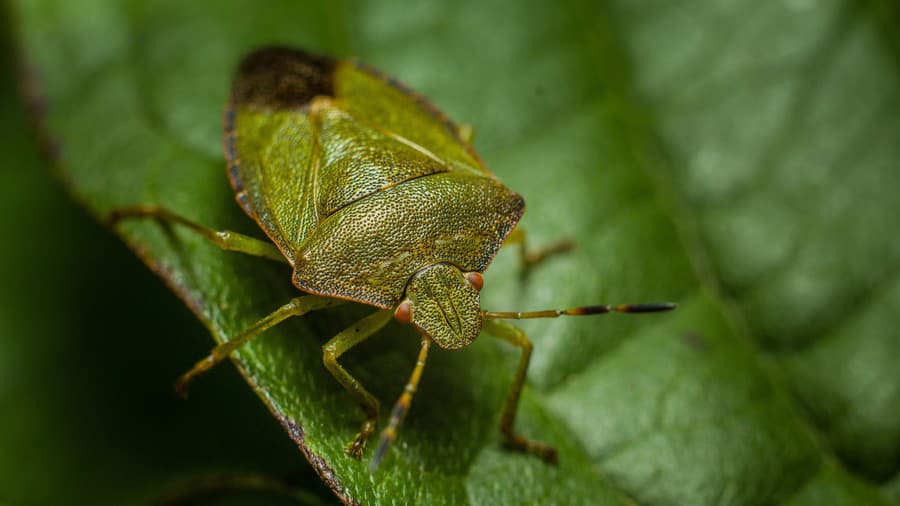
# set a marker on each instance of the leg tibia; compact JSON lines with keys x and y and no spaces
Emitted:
{"x":517,"y":337}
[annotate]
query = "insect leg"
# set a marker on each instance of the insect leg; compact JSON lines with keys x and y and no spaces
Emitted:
{"x":401,"y":407}
{"x":225,"y":239}
{"x":296,"y":307}
{"x":336,"y":347}
{"x":530,"y":258}
{"x":517,"y":337}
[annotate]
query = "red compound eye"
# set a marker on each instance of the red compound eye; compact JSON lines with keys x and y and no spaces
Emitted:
{"x":403,"y":313}
{"x":475,"y":279}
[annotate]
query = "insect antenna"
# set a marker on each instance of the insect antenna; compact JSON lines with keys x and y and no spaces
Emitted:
{"x":653,"y":307}
{"x":401,"y":407}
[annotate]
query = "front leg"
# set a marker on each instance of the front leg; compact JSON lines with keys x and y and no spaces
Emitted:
{"x":517,"y":337}
{"x":337,"y":346}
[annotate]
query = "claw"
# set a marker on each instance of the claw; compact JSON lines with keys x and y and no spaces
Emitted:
{"x":355,"y":448}
{"x":543,"y":451}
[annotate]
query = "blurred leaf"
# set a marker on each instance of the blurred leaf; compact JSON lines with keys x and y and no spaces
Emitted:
{"x":739,"y":158}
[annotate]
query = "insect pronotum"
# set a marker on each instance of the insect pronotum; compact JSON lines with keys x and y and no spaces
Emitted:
{"x":371,"y":195}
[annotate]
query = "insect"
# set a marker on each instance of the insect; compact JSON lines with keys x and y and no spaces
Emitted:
{"x":371,"y":195}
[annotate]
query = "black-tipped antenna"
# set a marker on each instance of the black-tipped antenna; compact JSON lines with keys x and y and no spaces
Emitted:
{"x":401,"y":407}
{"x":653,"y":307}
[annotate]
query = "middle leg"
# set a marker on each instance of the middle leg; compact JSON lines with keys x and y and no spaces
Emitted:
{"x":517,"y":337}
{"x":532,"y":257}
{"x":298,"y":306}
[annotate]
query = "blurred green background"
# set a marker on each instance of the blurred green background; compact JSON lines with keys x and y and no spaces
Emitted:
{"x":741,"y":158}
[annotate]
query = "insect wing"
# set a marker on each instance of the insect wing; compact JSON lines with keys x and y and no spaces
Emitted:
{"x":271,"y":143}
{"x":383,"y":101}
{"x":307,"y":135}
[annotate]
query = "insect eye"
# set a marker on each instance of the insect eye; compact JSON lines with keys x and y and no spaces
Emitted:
{"x":403,"y":313}
{"x":475,"y":279}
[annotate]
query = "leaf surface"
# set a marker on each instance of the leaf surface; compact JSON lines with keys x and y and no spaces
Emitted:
{"x":738,"y":158}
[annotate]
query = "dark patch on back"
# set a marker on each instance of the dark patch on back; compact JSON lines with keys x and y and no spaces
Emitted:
{"x":282,"y":78}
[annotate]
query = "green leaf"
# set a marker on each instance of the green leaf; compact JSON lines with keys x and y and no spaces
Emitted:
{"x":86,"y":365}
{"x":740,"y":159}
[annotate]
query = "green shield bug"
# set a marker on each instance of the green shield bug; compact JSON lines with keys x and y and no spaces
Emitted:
{"x":374,"y":196}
